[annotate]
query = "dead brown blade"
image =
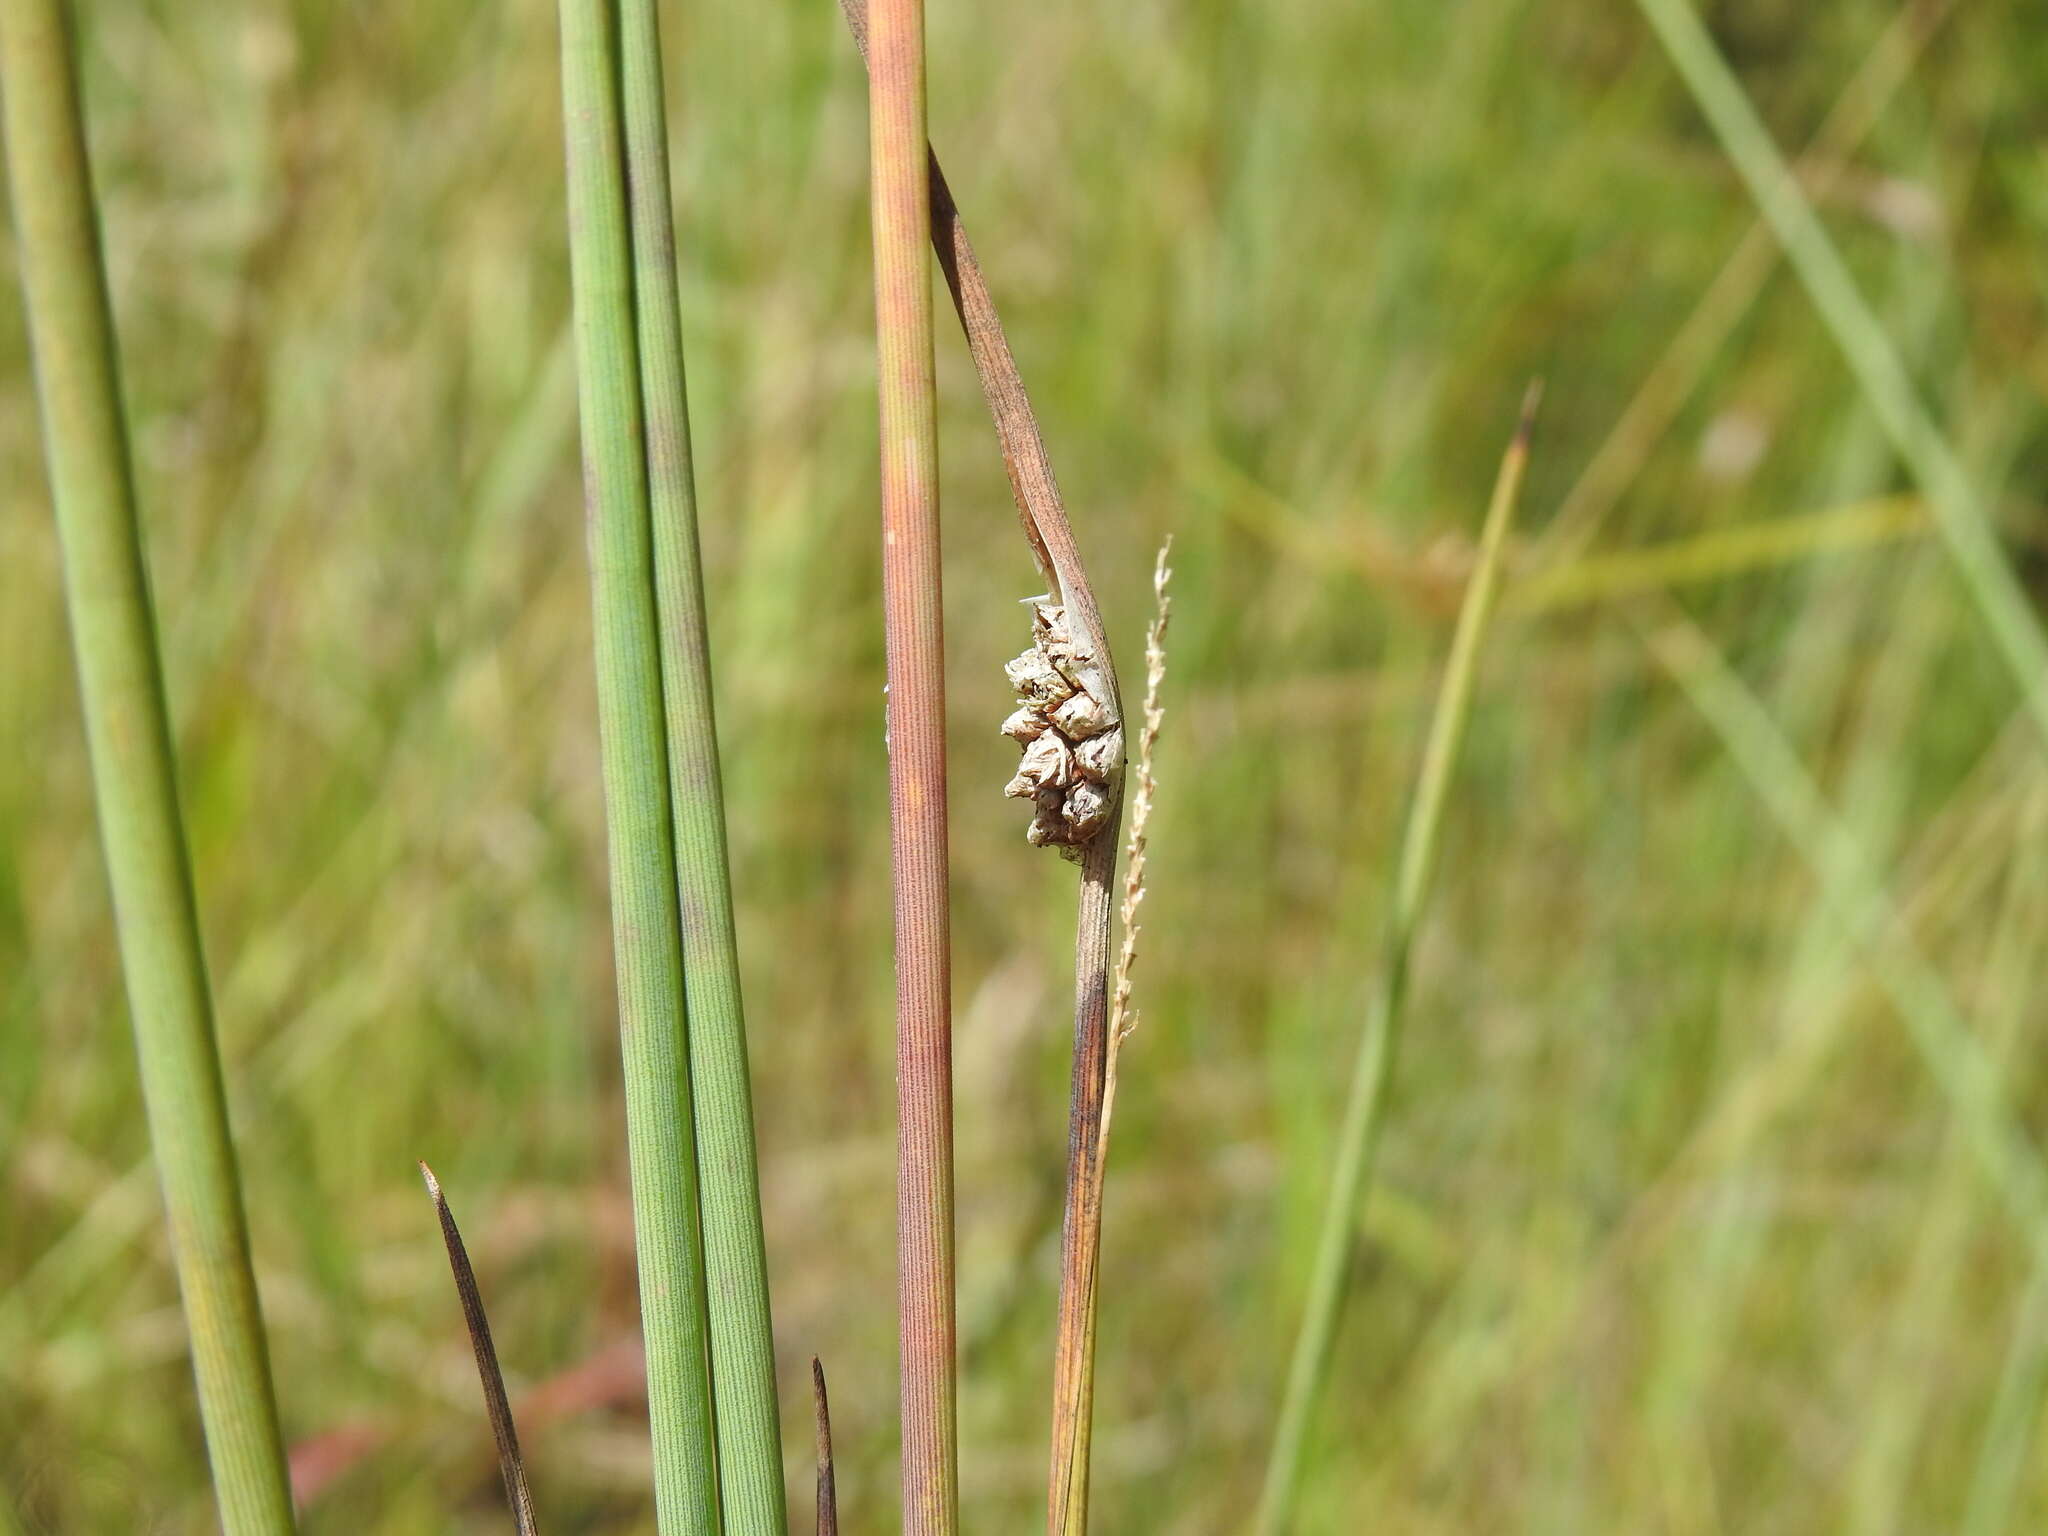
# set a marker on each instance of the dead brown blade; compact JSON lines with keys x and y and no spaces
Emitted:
{"x":828,"y":1492}
{"x":496,"y":1405}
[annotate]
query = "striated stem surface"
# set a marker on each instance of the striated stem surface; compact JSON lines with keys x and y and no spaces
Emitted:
{"x":128,"y":733}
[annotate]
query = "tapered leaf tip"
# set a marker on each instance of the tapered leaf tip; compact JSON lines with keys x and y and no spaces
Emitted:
{"x":1532,"y":400}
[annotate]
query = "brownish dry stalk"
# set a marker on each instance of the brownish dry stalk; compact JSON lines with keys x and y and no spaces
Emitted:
{"x":1053,"y":549}
{"x":1086,"y":1251}
{"x":917,"y":767}
{"x":828,"y":1488}
{"x":496,"y":1405}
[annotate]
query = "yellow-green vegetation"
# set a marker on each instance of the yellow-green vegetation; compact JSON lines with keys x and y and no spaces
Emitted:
{"x":1706,"y":1191}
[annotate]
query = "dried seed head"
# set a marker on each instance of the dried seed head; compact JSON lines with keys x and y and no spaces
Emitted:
{"x":1073,"y":748}
{"x":1086,"y":809}
{"x":1048,"y":763}
{"x":1037,"y":681}
{"x":1098,"y":758}
{"x":1026,"y":725}
{"x":1081,"y":716}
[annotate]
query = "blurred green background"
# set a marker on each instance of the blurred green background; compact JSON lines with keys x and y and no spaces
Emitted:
{"x":1676,"y":1231}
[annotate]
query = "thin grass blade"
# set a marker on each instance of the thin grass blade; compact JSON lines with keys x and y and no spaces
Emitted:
{"x":1959,"y":513}
{"x":496,"y":1405}
{"x":646,"y":923}
{"x":728,"y":1175}
{"x":128,"y":732}
{"x":1853,"y":891}
{"x":1358,"y":1139}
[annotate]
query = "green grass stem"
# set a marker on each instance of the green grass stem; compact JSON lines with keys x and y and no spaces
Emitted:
{"x":1958,"y":511}
{"x":646,"y":923}
{"x":1365,"y":1110}
{"x":128,"y":732}
{"x":728,"y":1177}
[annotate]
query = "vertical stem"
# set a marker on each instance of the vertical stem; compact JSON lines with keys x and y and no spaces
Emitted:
{"x":728,"y":1179}
{"x":646,"y":925}
{"x":1073,"y":1366}
{"x":128,"y":731}
{"x":917,"y":762}
{"x":1373,"y":1066}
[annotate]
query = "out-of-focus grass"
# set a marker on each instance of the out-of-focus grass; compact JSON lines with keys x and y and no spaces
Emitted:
{"x":1669,"y":1211}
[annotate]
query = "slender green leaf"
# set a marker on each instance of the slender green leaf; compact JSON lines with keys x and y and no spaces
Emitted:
{"x":646,"y":923}
{"x":1365,"y":1111}
{"x":128,"y":730}
{"x":728,"y":1178}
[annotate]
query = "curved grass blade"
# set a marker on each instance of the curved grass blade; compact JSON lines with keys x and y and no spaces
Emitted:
{"x":128,"y":732}
{"x":1358,"y":1140}
{"x":496,"y":1405}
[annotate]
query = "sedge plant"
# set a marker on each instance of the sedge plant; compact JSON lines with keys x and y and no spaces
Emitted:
{"x":1049,"y":536}
{"x":728,"y":1178}
{"x":639,"y":816}
{"x":128,"y":734}
{"x":1373,"y":1069}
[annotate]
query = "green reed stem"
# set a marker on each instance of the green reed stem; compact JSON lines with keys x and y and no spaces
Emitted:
{"x":646,"y":923}
{"x":1365,"y":1112}
{"x":728,"y":1177}
{"x":128,"y":732}
{"x":917,"y":764}
{"x":1959,"y":513}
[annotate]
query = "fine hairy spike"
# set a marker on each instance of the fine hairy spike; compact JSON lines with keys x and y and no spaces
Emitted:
{"x":496,"y":1405}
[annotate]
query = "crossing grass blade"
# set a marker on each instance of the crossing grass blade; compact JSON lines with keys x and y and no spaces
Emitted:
{"x":1959,"y":512}
{"x":128,"y":732}
{"x":1365,"y":1112}
{"x":1853,"y":892}
{"x":728,"y":1179}
{"x":646,"y":922}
